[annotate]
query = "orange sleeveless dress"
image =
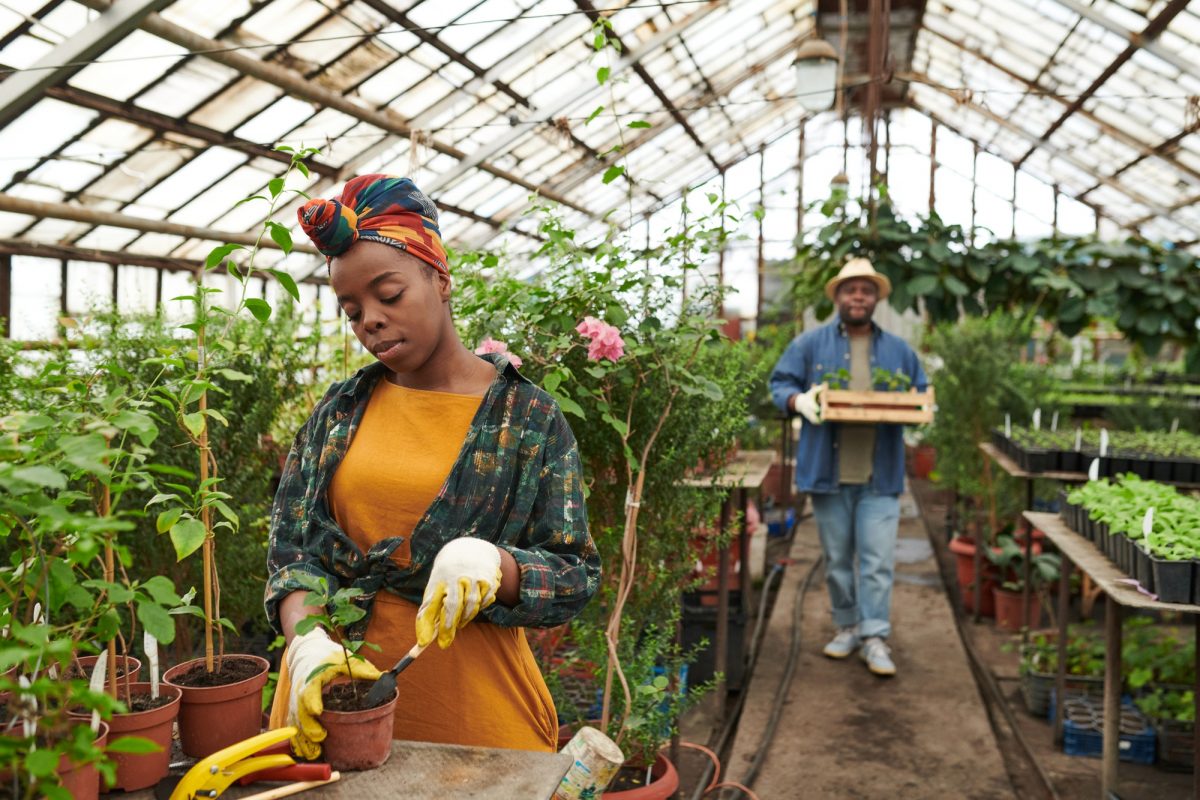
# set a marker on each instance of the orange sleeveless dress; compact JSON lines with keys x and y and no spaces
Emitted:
{"x":485,"y":689}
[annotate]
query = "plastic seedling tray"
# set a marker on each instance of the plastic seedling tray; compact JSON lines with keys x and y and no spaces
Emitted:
{"x":1172,"y":580}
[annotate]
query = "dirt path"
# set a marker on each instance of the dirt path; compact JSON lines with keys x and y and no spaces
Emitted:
{"x":845,"y":733}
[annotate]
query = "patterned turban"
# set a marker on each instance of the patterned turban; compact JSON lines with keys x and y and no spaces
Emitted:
{"x":376,"y":208}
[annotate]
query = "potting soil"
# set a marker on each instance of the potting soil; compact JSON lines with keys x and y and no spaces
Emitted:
{"x":144,"y":702}
{"x":347,"y":697}
{"x":628,"y":778}
{"x":228,"y":670}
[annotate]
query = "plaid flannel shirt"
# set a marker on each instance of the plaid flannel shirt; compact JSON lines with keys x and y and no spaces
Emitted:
{"x":517,"y":483}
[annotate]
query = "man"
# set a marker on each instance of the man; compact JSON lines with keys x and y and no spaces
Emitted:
{"x":854,"y":473}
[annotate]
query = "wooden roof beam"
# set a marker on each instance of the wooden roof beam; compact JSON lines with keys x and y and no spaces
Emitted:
{"x":295,"y":84}
{"x":1151,"y":32}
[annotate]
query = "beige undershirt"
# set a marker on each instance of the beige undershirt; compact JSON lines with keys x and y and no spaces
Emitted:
{"x":856,"y":443}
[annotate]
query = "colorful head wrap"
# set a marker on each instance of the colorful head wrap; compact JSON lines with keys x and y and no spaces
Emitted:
{"x":376,"y":208}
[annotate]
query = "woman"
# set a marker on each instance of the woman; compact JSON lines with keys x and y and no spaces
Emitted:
{"x":441,"y":483}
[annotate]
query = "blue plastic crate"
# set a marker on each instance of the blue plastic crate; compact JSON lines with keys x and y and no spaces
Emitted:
{"x":1138,"y":748}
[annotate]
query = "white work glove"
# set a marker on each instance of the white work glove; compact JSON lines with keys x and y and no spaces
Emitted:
{"x":464,"y":581}
{"x":809,"y":404}
{"x":305,"y":654}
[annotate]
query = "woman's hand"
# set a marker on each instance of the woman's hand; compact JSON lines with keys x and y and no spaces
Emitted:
{"x":466,"y":576}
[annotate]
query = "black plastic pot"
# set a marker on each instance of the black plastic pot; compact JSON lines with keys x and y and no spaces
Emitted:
{"x":1142,"y":466}
{"x":1039,"y":460}
{"x":1070,"y":461}
{"x":1183,"y":470}
{"x":1142,"y":569}
{"x":1160,"y":469}
{"x":1172,"y":580}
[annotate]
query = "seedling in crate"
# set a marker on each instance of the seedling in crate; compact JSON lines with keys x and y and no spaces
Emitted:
{"x":897,"y":381}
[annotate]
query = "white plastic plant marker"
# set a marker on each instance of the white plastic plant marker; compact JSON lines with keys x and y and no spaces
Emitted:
{"x":1054,"y":422}
{"x":1148,"y":521}
{"x":1037,"y":419}
{"x":29,"y":702}
{"x":150,"y":645}
{"x":1094,"y":470}
{"x":1078,"y":439}
{"x":1175,"y":425}
{"x":96,"y":684}
{"x":1007,"y":426}
{"x":1103,"y":442}
{"x":1076,"y":352}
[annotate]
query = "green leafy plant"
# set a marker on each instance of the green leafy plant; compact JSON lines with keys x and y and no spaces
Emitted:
{"x":646,"y":418}
{"x":1168,"y":704}
{"x":1009,"y":557}
{"x":897,"y":381}
{"x":340,"y":611}
{"x":837,"y":380}
{"x":189,"y":518}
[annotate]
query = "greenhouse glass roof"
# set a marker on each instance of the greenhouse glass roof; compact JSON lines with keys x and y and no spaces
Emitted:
{"x":140,"y":124}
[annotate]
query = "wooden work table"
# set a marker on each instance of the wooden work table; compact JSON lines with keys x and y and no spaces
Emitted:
{"x":424,"y":771}
{"x":1119,"y":595}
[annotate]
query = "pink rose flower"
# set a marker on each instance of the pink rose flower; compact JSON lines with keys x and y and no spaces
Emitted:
{"x":606,"y":339}
{"x":490,"y":345}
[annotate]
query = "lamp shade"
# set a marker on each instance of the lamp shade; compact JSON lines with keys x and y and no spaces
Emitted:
{"x":816,"y":68}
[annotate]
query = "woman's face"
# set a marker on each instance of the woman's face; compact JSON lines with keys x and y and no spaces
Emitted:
{"x":396,"y":303}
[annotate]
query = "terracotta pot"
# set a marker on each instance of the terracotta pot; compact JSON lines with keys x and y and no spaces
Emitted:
{"x":1008,"y":609}
{"x":664,"y":782}
{"x":359,"y":740}
{"x":963,"y":549}
{"x":83,"y":780}
{"x":214,"y":717}
{"x":126,"y":665}
{"x":924,"y":460}
{"x":142,"y":771}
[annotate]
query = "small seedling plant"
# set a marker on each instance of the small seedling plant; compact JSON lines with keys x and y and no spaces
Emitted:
{"x":886,"y":380}
{"x":340,"y":612}
{"x":837,"y":380}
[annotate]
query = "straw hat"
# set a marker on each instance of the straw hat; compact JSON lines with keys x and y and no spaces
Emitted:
{"x":859,"y":268}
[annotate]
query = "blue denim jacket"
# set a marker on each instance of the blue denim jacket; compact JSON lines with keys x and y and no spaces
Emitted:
{"x":827,"y":349}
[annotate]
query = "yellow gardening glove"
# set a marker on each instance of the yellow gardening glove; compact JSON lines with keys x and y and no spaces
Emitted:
{"x":465,"y":578}
{"x":304,"y":655}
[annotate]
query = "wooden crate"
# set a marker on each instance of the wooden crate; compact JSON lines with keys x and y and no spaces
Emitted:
{"x":906,"y":408}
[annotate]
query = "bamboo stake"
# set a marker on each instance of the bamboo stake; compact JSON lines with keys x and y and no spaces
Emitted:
{"x":109,"y":574}
{"x":205,"y":516}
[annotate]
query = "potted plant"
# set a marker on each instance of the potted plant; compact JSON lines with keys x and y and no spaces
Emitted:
{"x":222,"y":694}
{"x":651,"y":395}
{"x":65,"y":465}
{"x":1009,"y":558}
{"x":359,"y":735}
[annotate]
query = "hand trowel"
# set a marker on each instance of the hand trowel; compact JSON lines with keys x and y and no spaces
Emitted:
{"x":382,"y":691}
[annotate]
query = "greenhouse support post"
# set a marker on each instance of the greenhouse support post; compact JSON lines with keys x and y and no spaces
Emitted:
{"x":1112,"y":695}
{"x":1060,"y":673}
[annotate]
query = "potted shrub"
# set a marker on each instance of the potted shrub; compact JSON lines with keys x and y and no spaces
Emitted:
{"x":359,"y":735}
{"x":651,"y":395}
{"x":222,"y":694}
{"x":1009,"y":558}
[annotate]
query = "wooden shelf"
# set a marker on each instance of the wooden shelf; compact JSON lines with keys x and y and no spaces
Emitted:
{"x":1010,"y":466}
{"x":747,"y":470}
{"x":1087,"y":557}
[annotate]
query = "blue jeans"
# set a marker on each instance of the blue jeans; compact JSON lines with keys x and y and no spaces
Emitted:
{"x":858,"y":536}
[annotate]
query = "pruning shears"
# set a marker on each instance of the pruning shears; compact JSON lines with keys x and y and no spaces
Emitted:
{"x":214,"y":774}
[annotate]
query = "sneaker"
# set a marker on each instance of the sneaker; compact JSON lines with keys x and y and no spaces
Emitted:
{"x":878,"y":657}
{"x":842,"y":645}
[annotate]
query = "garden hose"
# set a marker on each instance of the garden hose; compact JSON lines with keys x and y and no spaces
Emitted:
{"x":785,"y":683}
{"x":718,"y":744}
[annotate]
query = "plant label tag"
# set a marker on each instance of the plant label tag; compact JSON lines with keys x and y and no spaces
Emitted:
{"x":1078,"y":439}
{"x":1054,"y":422}
{"x":1148,"y":521}
{"x":1037,"y":419}
{"x":1094,"y":470}
{"x":1076,"y":352}
{"x":1103,"y":442}
{"x":1007,"y":426}
{"x":1175,"y":425}
{"x":150,"y":645}
{"x":96,"y":684}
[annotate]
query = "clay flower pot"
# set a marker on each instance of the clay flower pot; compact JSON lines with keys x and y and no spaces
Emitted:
{"x":213,"y":717}
{"x":145,"y":770}
{"x":358,"y":740}
{"x":126,"y":665}
{"x":83,"y":780}
{"x":664,"y":782}
{"x":1008,"y":610}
